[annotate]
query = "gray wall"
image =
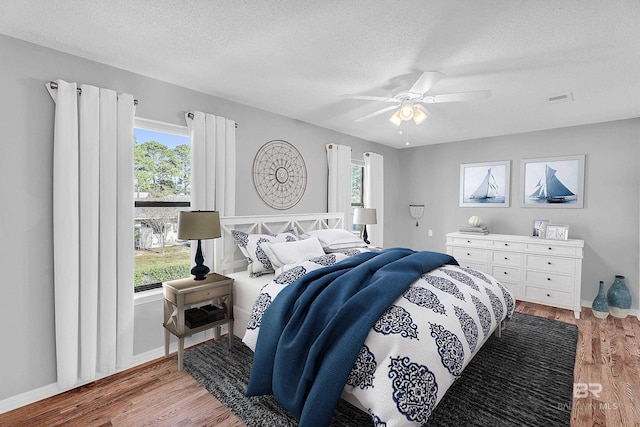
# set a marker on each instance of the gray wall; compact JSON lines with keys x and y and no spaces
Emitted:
{"x":26,"y":125}
{"x":608,"y":223}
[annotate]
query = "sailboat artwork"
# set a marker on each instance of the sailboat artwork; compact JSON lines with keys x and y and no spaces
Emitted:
{"x":553,"y":182}
{"x":485,"y":184}
{"x":550,"y":189}
{"x":488,"y":189}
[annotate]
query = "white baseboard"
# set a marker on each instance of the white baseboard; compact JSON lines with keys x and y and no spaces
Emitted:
{"x":53,"y":389}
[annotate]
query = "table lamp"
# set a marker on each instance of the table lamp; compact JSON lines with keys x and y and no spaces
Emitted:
{"x":364,"y":216}
{"x":199,"y":225}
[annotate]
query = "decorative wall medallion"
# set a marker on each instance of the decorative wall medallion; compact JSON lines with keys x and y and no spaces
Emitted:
{"x":279,"y":174}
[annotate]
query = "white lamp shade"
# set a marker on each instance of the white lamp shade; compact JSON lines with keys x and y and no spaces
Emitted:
{"x":419,"y":116}
{"x":198,"y":225}
{"x":396,"y":119}
{"x":406,"y":112}
{"x":364,"y":216}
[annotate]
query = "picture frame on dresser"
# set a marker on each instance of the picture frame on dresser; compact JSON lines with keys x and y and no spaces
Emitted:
{"x":552,"y":182}
{"x":556,"y":232}
{"x":485,"y":184}
{"x":539,"y":227}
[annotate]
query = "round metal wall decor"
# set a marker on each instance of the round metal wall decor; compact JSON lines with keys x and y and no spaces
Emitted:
{"x":279,"y":174}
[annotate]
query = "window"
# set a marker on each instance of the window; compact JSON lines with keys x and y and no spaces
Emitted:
{"x":162,"y":187}
{"x":357,"y":201}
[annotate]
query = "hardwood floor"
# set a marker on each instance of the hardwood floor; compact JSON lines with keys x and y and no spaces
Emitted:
{"x":157,"y":394}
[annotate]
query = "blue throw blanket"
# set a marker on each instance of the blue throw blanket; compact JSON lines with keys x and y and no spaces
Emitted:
{"x":311,"y":334}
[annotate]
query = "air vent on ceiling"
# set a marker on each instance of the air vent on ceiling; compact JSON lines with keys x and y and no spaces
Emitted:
{"x":557,"y":99}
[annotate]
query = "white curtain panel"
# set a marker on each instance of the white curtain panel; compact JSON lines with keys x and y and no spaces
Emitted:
{"x":339,"y":185}
{"x":213,"y":169}
{"x":92,"y":230}
{"x":374,"y":195}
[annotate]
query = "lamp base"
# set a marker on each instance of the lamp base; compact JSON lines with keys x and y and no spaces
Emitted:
{"x":365,"y":236}
{"x":200,"y":270}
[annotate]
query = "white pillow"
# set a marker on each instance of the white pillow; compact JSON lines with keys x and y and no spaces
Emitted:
{"x":284,"y":253}
{"x":251,"y":247}
{"x":336,"y":238}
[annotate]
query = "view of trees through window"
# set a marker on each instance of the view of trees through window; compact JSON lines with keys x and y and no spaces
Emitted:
{"x":162,"y":187}
{"x":357,"y":201}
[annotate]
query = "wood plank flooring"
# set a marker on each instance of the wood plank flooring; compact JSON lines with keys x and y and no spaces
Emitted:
{"x":157,"y":394}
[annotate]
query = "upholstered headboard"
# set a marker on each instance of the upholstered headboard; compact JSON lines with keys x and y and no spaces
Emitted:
{"x":227,"y":258}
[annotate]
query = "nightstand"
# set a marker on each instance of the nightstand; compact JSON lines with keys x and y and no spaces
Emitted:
{"x":182,"y":293}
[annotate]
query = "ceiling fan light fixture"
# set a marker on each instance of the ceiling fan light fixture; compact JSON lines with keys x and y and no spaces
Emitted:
{"x":406,"y":112}
{"x":419,"y":116}
{"x":396,"y":119}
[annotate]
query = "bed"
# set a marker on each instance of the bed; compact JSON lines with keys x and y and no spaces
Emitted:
{"x":396,"y":367}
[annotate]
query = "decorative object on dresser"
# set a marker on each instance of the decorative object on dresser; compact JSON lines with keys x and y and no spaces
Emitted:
{"x":540,"y":227}
{"x":619,"y":298}
{"x":199,"y":225}
{"x":484,"y":184}
{"x":546,"y":272}
{"x":476,"y":226}
{"x":416,"y":211}
{"x":364,"y":216}
{"x":556,"y":232}
{"x":279,"y":174}
{"x":600,"y":306}
{"x":554,"y":182}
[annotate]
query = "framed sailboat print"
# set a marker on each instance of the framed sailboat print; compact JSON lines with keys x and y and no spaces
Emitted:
{"x":485,"y":184}
{"x":553,"y":182}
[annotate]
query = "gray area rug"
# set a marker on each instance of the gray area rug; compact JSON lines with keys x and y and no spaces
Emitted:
{"x":524,"y":378}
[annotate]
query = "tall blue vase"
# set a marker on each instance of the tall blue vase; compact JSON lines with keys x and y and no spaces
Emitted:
{"x":600,"y":306}
{"x":619,"y":298}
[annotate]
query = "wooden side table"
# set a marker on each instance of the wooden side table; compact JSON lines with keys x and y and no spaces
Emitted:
{"x":185,"y":292}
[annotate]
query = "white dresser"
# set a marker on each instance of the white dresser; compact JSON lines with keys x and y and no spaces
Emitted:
{"x":537,"y":270}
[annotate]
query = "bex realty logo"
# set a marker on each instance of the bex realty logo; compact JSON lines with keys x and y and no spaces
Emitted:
{"x":582,"y":390}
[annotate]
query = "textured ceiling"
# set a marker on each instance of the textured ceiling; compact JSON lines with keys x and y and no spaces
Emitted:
{"x":298,"y":58}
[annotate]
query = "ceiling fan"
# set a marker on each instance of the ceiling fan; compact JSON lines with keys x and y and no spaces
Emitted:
{"x":408,"y":99}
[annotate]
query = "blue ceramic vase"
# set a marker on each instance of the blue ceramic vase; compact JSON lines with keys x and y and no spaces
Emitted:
{"x":619,"y":298}
{"x":600,"y":306}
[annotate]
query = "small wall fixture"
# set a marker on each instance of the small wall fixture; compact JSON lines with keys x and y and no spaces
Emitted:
{"x":416,"y":212}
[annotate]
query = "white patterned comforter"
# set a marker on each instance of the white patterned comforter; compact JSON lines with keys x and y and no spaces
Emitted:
{"x":419,"y":346}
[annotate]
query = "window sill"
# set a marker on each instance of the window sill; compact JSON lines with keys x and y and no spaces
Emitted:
{"x":145,"y":297}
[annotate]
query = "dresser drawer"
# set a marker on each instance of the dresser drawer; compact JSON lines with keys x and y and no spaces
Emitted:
{"x":505,"y":273}
{"x":548,"y":296}
{"x":199,"y":295}
{"x":551,"y":249}
{"x":515,"y":288}
{"x":506,"y":258}
{"x":469,"y":254}
{"x":473,"y":265}
{"x":469,"y":241}
{"x":549,"y":263}
{"x":549,"y":280}
{"x":506,"y":244}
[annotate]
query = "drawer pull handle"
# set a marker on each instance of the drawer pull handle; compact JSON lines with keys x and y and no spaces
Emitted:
{"x":506,"y":244}
{"x":468,"y":254}
{"x":468,"y":241}
{"x":505,"y":272}
{"x":506,"y":258}
{"x":548,"y":278}
{"x":549,"y":262}
{"x":549,"y":295}
{"x":550,"y":248}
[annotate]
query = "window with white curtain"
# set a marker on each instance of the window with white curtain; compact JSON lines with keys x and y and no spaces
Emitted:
{"x":357,"y":192}
{"x":162,"y":187}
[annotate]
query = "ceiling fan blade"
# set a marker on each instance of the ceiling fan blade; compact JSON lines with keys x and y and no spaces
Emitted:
{"x":376,"y":113}
{"x":370,"y":98}
{"x":426,"y":81}
{"x":477,"y":95}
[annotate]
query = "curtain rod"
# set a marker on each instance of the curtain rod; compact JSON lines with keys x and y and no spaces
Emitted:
{"x":54,"y":85}
{"x":190,"y":115}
